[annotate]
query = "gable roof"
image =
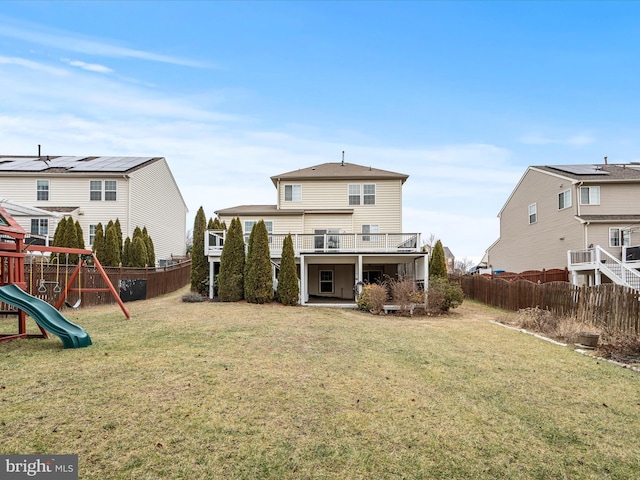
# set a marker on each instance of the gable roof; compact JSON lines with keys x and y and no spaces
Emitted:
{"x":19,"y":210}
{"x":244,"y":210}
{"x":339,"y":170}
{"x":60,"y":164}
{"x":594,"y":172}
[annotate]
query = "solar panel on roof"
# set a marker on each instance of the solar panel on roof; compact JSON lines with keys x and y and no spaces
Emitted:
{"x":580,"y":169}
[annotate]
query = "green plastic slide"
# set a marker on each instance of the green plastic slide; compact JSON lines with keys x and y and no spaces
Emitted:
{"x":46,"y":316}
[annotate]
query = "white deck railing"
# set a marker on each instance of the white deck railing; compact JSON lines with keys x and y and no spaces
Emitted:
{"x":327,"y":243}
{"x":599,"y":261}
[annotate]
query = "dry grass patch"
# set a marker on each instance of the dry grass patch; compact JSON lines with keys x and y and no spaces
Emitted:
{"x":240,"y":391}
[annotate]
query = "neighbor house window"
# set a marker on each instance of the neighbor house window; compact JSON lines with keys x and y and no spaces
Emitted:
{"x":326,"y":281}
{"x":369,"y":191}
{"x":564,"y":199}
{"x":42,"y":190}
{"x":619,"y":237}
{"x":248,"y":226}
{"x":92,"y":233}
{"x":95,"y":190}
{"x":589,"y":195}
{"x":110,"y":190}
{"x":533,"y":213}
{"x":354,"y":194}
{"x":370,"y":229}
{"x":293,"y":193}
{"x":40,"y":226}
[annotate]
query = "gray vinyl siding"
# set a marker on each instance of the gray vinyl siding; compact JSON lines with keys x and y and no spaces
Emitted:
{"x":156,"y":203}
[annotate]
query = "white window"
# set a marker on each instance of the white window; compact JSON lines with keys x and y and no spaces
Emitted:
{"x":619,"y":237}
{"x":110,"y":190}
{"x":248,"y":226}
{"x":326,"y":281}
{"x":369,"y":191}
{"x":533,"y":213}
{"x":370,"y":229}
{"x":564,"y":199}
{"x":92,"y":233}
{"x":354,"y":194}
{"x":95,"y":190}
{"x":42,"y":190}
{"x":293,"y":193}
{"x":589,"y":195}
{"x":40,"y":226}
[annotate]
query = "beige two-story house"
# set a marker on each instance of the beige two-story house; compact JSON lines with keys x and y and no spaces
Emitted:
{"x":346,"y":225}
{"x":139,"y":191}
{"x":557,"y":209}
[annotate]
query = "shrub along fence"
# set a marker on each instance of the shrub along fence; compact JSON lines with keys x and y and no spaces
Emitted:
{"x":48,"y":281}
{"x":611,"y":307}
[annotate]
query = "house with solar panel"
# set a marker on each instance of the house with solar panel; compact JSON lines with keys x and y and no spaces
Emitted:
{"x":582,"y":217}
{"x":139,"y":191}
{"x":346,"y":224}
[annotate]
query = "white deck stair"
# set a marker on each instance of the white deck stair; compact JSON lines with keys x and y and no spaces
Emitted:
{"x":601,"y":262}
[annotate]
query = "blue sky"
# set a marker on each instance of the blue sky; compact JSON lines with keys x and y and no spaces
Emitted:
{"x":461,"y":96}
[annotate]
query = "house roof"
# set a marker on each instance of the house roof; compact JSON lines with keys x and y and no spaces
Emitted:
{"x":64,"y":164}
{"x":17,"y":209}
{"x":609,"y":218}
{"x":594,"y":172}
{"x":272,"y":210}
{"x":339,"y":170}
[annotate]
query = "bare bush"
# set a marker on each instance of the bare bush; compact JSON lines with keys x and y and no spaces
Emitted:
{"x":372,"y":298}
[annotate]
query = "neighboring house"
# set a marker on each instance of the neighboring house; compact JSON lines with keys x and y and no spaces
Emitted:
{"x":346,"y":225}
{"x":591,"y":210}
{"x":139,"y":191}
{"x":449,"y":257}
{"x":38,"y":223}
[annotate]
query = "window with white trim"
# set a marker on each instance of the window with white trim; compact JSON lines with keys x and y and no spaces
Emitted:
{"x":110,"y":190}
{"x":354,"y":194}
{"x":370,"y":229}
{"x":564,"y":199}
{"x":248,"y":226}
{"x":92,"y":233}
{"x":533,"y":213}
{"x":42,"y":190}
{"x":326,"y":281}
{"x":40,"y":226}
{"x":619,"y":237}
{"x":369,"y":193}
{"x":293,"y":193}
{"x":589,"y":195}
{"x":95,"y":190}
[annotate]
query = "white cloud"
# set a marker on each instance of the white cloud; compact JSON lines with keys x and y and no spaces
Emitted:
{"x":579,"y":140}
{"x":92,"y":67}
{"x":31,"y":65}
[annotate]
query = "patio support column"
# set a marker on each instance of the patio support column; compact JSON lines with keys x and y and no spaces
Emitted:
{"x":426,"y":279}
{"x":303,"y":281}
{"x":211,"y":279}
{"x":359,"y":272}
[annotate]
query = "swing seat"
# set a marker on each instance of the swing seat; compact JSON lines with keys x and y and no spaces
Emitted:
{"x":75,"y":305}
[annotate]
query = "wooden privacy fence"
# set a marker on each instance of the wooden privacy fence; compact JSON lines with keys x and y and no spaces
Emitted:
{"x":537,"y":276}
{"x":611,"y":307}
{"x":47,"y":280}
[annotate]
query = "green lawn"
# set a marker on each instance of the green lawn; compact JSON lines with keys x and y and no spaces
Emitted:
{"x":238,"y":391}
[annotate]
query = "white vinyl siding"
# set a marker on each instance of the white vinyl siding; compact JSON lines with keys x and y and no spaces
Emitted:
{"x":564,"y":199}
{"x":589,"y":195}
{"x":533,"y":213}
{"x":293,"y":193}
{"x":619,"y":237}
{"x":42,"y":190}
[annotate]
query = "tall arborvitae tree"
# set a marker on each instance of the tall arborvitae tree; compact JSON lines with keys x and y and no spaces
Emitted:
{"x":136,"y":233}
{"x":288,"y":290}
{"x":232,"y":260}
{"x":437,"y":262}
{"x":111,"y":250}
{"x":138,"y":252}
{"x":119,"y":235}
{"x":70,"y":239}
{"x":58,"y":236}
{"x":210,"y":224}
{"x":199,"y":264}
{"x":126,"y":253}
{"x":151,"y":253}
{"x":258,"y":281}
{"x":79,"y":236}
{"x":98,"y":242}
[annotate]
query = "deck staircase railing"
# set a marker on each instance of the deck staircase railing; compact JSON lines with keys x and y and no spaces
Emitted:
{"x":599,"y":260}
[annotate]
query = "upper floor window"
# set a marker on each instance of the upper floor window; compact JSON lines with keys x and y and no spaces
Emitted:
{"x":248,"y":226}
{"x":362,"y":194}
{"x":95,"y":190}
{"x":370,"y":229}
{"x":110,"y":190}
{"x":589,"y":195}
{"x":43,"y":190}
{"x":40,"y":226}
{"x":564,"y":199}
{"x":293,"y":193}
{"x":533,"y":213}
{"x":619,"y":237}
{"x":354,"y":194}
